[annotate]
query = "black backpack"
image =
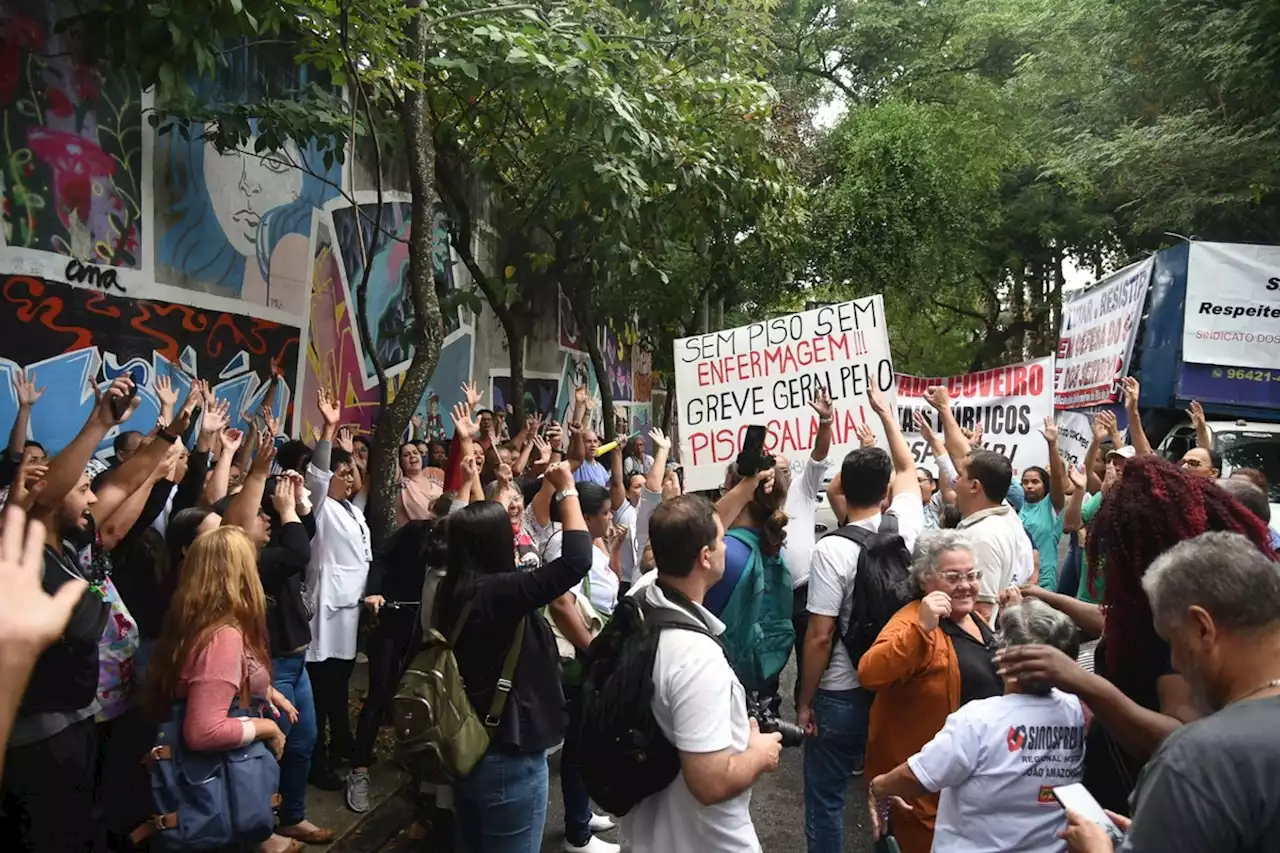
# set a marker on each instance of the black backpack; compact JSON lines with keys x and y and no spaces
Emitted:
{"x":880,"y":587}
{"x":625,"y":756}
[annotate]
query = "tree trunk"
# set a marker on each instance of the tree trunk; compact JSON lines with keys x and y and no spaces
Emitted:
{"x":586,"y":322}
{"x":428,"y":329}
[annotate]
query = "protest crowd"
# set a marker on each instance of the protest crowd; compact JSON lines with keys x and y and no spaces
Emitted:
{"x":986,"y":654}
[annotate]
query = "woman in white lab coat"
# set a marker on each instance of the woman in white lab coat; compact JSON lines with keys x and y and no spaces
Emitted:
{"x":340,"y":555}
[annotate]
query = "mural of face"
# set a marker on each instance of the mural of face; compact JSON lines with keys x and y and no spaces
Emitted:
{"x":244,"y":187}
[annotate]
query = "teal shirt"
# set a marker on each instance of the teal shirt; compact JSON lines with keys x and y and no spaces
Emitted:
{"x":1044,"y":526}
{"x":1091,"y":506}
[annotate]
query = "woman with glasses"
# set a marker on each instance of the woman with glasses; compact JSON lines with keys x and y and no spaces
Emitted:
{"x":935,"y":655}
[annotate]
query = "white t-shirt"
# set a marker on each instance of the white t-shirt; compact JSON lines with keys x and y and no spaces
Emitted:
{"x":626,"y":515}
{"x":700,"y":706}
{"x":835,"y":565}
{"x":1001,"y":550}
{"x":802,"y":505}
{"x":996,"y":762}
{"x":604,"y":583}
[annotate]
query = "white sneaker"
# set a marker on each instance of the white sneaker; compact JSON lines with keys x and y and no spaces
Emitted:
{"x":601,"y":823}
{"x":595,"y":845}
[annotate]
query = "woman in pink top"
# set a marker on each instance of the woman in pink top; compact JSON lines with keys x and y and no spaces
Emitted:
{"x":213,"y":645}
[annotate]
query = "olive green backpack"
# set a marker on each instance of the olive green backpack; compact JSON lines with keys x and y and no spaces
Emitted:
{"x":439,"y":736}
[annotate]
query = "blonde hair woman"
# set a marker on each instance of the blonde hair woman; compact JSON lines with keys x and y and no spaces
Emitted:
{"x":214,"y":639}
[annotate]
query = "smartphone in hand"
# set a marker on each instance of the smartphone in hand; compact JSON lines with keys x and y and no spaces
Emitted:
{"x":1076,"y":797}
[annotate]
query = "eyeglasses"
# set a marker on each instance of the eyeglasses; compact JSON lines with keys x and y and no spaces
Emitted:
{"x":957,"y":577}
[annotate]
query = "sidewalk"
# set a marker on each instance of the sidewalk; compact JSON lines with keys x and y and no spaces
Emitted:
{"x":390,"y":813}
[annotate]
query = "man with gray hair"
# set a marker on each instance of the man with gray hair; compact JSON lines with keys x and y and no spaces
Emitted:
{"x":1255,"y":500}
{"x":1216,"y":599}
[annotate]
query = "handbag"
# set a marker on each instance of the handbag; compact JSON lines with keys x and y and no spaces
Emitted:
{"x":209,"y":800}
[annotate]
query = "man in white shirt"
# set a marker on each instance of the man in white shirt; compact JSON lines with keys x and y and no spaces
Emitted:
{"x":801,"y":508}
{"x":698,"y":702}
{"x":1001,"y":549}
{"x":832,"y":707}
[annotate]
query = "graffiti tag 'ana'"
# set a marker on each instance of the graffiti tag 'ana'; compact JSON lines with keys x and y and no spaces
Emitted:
{"x":103,"y":279}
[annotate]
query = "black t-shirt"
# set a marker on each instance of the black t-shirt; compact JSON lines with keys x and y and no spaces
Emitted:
{"x":978,"y":678}
{"x":65,"y":677}
{"x":1110,"y":773}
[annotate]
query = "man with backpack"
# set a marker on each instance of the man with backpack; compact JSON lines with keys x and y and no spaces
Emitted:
{"x":666,"y":737}
{"x":856,"y":582}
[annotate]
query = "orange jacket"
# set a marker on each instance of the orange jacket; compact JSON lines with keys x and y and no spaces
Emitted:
{"x":916,"y":679}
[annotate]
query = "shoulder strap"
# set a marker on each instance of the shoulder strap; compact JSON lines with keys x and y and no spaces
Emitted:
{"x":503,"y":689}
{"x":855,"y":534}
{"x":463,"y":615}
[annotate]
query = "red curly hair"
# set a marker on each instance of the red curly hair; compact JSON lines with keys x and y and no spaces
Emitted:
{"x":1153,"y":507}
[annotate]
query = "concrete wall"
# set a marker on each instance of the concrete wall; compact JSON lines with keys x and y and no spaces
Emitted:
{"x":123,"y":249}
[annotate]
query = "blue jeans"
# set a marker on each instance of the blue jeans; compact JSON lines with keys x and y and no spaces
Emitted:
{"x":829,"y":760}
{"x":577,"y":802}
{"x":501,"y":806}
{"x":289,"y":673}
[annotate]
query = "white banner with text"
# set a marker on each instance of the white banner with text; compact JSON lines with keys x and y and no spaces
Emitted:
{"x":1010,"y":403}
{"x":1232,"y":314}
{"x":1099,"y":328}
{"x":766,"y":374}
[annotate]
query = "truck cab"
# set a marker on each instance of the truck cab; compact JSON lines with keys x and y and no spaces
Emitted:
{"x":1241,"y":443}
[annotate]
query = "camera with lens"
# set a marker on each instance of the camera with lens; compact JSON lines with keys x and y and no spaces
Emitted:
{"x":760,"y":711}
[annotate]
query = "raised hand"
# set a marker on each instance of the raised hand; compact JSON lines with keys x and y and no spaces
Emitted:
{"x":504,"y":474}
{"x":472,"y":394}
{"x":27,"y":484}
{"x":876,"y":398}
{"x":821,"y":403}
{"x":24,"y":388}
{"x":660,"y":441}
{"x":1197,"y":414}
{"x":345,"y":440}
{"x":937,"y":397}
{"x":120,"y":389}
{"x":272,"y":426}
{"x":231,"y":439}
{"x":164,"y":390}
{"x":266,"y":455}
{"x":560,"y":476}
{"x":555,"y":435}
{"x":30,"y":619}
{"x":282,"y":497}
{"x":1107,"y":422}
{"x":217,"y":417}
{"x":580,"y":395}
{"x":1132,"y":391}
{"x":866,"y":435}
{"x":464,"y":426}
{"x":330,"y":411}
{"x":925,"y":428}
{"x":543,"y":447}
{"x":1050,"y":430}
{"x":1079,"y":478}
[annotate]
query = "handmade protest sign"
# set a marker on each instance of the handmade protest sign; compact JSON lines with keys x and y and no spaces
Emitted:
{"x":1010,"y":402}
{"x":766,"y":373}
{"x":1099,"y":328}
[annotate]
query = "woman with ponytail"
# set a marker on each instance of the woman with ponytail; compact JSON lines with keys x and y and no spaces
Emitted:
{"x":1136,"y":695}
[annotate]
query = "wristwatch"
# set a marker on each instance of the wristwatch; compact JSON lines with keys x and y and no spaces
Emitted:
{"x":566,"y":493}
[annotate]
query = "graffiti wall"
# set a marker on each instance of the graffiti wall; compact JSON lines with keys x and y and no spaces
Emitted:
{"x":71,"y":339}
{"x":237,"y":224}
{"x":540,"y":393}
{"x":71,"y":151}
{"x":130,"y":248}
{"x":334,"y":360}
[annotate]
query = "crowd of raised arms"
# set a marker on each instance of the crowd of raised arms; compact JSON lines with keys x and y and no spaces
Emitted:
{"x":1078,"y":660}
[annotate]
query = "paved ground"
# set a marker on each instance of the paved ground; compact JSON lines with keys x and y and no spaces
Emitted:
{"x":777,"y":807}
